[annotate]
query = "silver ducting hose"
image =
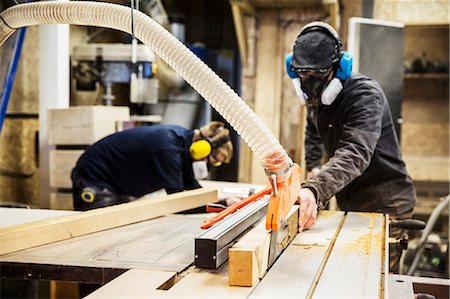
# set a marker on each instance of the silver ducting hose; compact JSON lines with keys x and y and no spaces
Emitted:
{"x":210,"y":86}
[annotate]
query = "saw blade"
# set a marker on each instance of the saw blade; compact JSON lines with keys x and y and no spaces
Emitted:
{"x":278,"y":240}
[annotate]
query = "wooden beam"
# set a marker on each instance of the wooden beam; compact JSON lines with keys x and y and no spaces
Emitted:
{"x":239,"y":8}
{"x":37,"y":233}
{"x":248,"y":258}
{"x":238,"y":19}
{"x":333,"y":9}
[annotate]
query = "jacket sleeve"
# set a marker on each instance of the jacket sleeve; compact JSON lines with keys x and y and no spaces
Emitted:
{"x":361,"y":132}
{"x":313,"y":144}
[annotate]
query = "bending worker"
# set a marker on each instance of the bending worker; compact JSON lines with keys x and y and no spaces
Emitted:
{"x":348,"y":118}
{"x":135,"y":162}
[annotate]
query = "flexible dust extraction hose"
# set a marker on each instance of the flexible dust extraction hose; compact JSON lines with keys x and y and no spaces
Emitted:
{"x":210,"y":86}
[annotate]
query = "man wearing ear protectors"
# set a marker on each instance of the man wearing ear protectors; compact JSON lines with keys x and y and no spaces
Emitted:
{"x":132,"y":163}
{"x":348,"y":119}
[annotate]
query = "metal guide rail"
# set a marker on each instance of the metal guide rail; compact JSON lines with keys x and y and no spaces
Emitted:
{"x":211,"y":247}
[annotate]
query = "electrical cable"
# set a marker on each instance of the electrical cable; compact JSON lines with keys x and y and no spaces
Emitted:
{"x":426,"y":232}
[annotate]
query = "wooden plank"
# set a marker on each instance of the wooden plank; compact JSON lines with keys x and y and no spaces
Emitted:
{"x":13,"y":216}
{"x":135,"y":283}
{"x":248,"y":258}
{"x":295,"y":270}
{"x":65,"y":227}
{"x":61,"y":163}
{"x":356,"y":262}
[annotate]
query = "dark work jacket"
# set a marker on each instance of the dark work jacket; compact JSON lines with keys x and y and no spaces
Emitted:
{"x":139,"y":161}
{"x":365,"y":169}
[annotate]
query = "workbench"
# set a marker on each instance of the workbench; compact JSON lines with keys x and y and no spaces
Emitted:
{"x":340,"y":256}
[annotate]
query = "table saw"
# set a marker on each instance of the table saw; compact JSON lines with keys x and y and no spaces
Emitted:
{"x":342,"y":255}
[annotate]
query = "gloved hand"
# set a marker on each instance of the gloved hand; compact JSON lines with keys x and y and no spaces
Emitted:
{"x":308,"y":209}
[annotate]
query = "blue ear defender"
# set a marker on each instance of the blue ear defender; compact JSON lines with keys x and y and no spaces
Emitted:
{"x":289,"y":69}
{"x":345,"y":66}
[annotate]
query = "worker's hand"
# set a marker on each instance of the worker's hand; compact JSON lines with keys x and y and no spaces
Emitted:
{"x":308,"y":209}
{"x":232,"y":200}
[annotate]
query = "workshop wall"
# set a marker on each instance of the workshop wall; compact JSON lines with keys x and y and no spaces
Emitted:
{"x":19,"y":176}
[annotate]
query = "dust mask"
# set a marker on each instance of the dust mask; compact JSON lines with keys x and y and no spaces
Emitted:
{"x":200,"y":169}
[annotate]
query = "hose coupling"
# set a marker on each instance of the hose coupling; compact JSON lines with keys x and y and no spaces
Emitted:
{"x":274,"y":174}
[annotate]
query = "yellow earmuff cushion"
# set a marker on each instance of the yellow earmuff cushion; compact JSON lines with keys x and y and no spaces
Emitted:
{"x":200,"y":149}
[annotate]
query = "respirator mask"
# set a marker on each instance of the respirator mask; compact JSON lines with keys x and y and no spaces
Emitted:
{"x":317,"y":87}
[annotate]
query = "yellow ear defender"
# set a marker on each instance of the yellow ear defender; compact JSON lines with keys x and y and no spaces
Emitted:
{"x":200,"y":149}
{"x":87,"y":196}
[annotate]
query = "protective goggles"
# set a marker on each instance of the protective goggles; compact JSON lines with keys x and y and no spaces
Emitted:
{"x":320,"y":74}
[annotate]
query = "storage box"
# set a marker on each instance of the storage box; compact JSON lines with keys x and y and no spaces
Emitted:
{"x":61,"y":163}
{"x":61,"y":201}
{"x":84,"y":125}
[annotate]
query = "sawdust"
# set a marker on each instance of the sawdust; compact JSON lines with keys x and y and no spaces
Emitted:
{"x":364,"y":243}
{"x":309,"y":246}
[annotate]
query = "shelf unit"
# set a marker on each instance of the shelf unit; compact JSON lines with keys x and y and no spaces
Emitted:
{"x":425,"y":128}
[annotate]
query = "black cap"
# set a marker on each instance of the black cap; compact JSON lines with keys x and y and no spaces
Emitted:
{"x":315,"y":50}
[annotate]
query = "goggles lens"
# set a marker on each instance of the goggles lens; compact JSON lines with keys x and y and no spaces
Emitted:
{"x":320,"y":74}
